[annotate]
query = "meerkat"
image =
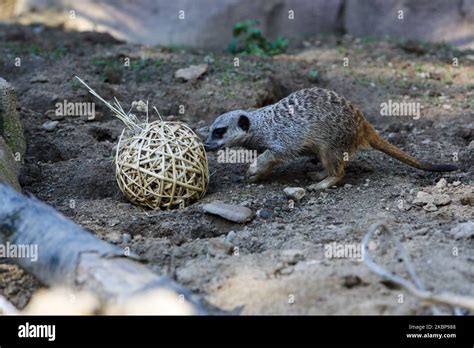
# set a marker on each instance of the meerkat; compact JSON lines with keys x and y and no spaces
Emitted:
{"x":310,"y":122}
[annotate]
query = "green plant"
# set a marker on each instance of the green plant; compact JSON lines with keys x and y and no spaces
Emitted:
{"x":248,"y":39}
{"x":313,"y":74}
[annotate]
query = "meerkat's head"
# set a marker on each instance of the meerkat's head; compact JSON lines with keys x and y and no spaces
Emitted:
{"x":229,"y":129}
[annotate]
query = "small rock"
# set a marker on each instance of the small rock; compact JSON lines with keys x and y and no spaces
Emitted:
{"x":422,"y":198}
{"x":471,"y":145}
{"x":350,"y":281}
{"x":447,"y":107}
{"x":437,"y":199}
{"x":113,"y":222}
{"x":264,"y":214}
{"x":347,"y":186}
{"x":40,"y":78}
{"x":291,"y":256}
{"x":295,"y":193}
{"x":235,"y":213}
{"x":230,"y":237}
{"x":113,"y":237}
{"x":191,"y":73}
{"x":463,"y":230}
{"x":430,"y":207}
{"x":467,"y":199}
{"x":217,"y":246}
{"x":126,"y":238}
{"x":441,"y":199}
{"x":441,"y":183}
{"x":456,"y":183}
{"x":49,"y":126}
{"x":247,"y":204}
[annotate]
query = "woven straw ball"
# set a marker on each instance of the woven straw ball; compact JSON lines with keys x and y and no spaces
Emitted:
{"x":163,"y":165}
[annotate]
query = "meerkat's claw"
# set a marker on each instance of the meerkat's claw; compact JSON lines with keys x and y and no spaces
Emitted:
{"x":255,"y":173}
{"x":324,"y":184}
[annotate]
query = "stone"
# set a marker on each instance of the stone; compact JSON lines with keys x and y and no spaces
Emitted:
{"x":423,"y":198}
{"x":39,"y":78}
{"x":192,"y":72}
{"x":264,"y":214}
{"x":441,"y":183}
{"x":441,"y":199}
{"x":49,"y":126}
{"x":291,"y":256}
{"x":235,"y":213}
{"x":113,"y":237}
{"x":463,"y":230}
{"x":430,"y":207}
{"x":456,"y":183}
{"x":294,"y":193}
{"x":467,"y":199}
{"x":219,"y":247}
{"x":230,"y":236}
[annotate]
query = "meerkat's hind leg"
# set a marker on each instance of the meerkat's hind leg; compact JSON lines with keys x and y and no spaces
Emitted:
{"x":334,"y":172}
{"x":262,"y":166}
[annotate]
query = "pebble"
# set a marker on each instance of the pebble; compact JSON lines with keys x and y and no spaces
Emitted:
{"x":50,"y":125}
{"x":219,"y":247}
{"x":113,"y":237}
{"x":295,"y":193}
{"x":191,"y":73}
{"x":230,"y":237}
{"x":40,"y":78}
{"x":423,"y":198}
{"x":126,"y":237}
{"x":456,"y":183}
{"x":441,"y":183}
{"x":430,"y":207}
{"x":247,"y":204}
{"x":264,"y":214}
{"x":235,"y":213}
{"x":291,"y":256}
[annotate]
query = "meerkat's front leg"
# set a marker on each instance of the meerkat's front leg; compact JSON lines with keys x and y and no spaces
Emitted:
{"x":262,"y":166}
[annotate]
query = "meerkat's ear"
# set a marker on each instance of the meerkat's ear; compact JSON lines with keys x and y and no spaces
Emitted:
{"x":244,"y":122}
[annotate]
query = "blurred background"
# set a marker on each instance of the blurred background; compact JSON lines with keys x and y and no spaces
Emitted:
{"x":208,"y":22}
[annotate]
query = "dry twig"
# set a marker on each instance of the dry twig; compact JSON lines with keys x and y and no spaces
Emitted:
{"x":416,"y":288}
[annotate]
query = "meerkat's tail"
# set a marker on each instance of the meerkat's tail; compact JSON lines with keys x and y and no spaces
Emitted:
{"x":377,"y":142}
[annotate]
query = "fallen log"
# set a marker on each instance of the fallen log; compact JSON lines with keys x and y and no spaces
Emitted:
{"x":67,"y":255}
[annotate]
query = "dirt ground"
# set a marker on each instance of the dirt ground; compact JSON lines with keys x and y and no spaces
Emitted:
{"x":276,"y":263}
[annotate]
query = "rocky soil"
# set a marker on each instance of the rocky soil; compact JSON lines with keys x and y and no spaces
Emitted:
{"x":276,"y":263}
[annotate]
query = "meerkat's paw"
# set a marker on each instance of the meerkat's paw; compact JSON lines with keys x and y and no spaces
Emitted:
{"x":256,"y":173}
{"x":324,"y":184}
{"x":317,"y":176}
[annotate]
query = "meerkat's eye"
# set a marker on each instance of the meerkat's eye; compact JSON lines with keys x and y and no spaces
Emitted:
{"x":218,"y":133}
